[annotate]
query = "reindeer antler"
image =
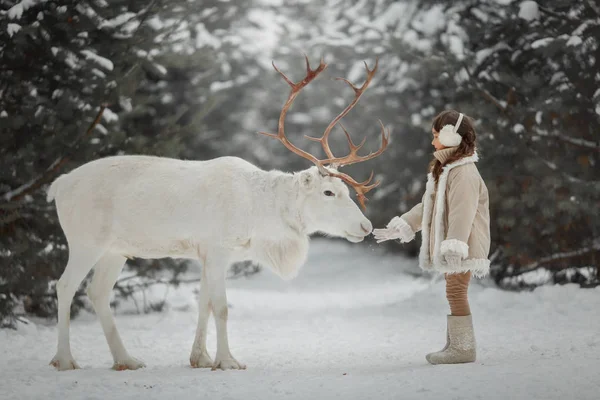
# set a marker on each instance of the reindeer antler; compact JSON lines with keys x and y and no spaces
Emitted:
{"x":361,"y":188}
{"x":296,"y":88}
{"x":353,"y":157}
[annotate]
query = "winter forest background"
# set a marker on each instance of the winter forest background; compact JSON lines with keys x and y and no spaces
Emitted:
{"x":193,"y":79}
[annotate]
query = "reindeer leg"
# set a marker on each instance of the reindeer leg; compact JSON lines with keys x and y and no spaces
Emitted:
{"x":106,"y":272}
{"x":216,"y":266}
{"x":81,"y":260}
{"x":199,"y":357}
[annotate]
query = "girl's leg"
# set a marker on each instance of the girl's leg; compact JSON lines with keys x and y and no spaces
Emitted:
{"x":460,"y":337}
{"x":457,"y":287}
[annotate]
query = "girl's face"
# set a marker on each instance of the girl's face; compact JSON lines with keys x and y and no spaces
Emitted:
{"x":436,"y":141}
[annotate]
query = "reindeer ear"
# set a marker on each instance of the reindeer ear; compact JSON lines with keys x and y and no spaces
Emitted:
{"x":307,"y":179}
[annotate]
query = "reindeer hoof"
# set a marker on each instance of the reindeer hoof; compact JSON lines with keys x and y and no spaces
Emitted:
{"x":64,"y":363}
{"x":227,"y":363}
{"x":129,"y":363}
{"x":201,"y":360}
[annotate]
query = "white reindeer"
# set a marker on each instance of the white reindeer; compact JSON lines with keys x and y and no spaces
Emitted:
{"x":217,"y":211}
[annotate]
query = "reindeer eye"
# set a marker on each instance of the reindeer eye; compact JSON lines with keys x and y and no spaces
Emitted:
{"x":328,"y":193}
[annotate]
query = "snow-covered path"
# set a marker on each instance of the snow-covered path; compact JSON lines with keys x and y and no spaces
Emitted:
{"x":351,"y":326}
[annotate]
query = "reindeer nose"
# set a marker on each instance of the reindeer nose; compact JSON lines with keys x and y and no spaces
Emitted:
{"x":366,"y":226}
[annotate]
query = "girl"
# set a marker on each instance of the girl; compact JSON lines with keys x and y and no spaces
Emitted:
{"x":455,"y":224}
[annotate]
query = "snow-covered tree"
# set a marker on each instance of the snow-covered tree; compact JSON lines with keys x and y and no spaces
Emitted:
{"x":58,"y":63}
{"x":161,"y":68}
{"x":186,"y":102}
{"x":527,"y":71}
{"x":194,"y":79}
{"x":524,"y":70}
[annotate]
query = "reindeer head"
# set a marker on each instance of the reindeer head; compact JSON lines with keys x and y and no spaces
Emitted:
{"x":328,"y":208}
{"x":328,"y":203}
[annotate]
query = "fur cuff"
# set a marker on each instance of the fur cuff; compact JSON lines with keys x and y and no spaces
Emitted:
{"x":480,"y":268}
{"x":455,"y":246}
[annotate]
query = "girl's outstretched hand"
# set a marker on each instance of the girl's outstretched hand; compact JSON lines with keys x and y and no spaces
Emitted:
{"x":397,"y":228}
{"x":381,"y":235}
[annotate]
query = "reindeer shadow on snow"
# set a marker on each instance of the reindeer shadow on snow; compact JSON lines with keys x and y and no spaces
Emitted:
{"x":218,"y":211}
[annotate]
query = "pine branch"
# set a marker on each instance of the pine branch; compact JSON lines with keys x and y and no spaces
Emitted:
{"x":484,"y":92}
{"x":554,"y":168}
{"x":593,"y":6}
{"x":145,"y":13}
{"x":588,"y":144}
{"x":36,"y":183}
{"x":9,"y":218}
{"x":492,"y":99}
{"x":554,"y":13}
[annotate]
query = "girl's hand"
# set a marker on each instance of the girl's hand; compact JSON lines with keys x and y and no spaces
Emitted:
{"x":397,"y":228}
{"x":454,"y":251}
{"x":453,"y":259}
{"x":381,"y":235}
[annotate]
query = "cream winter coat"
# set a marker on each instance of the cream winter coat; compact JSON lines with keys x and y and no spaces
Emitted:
{"x":454,"y":218}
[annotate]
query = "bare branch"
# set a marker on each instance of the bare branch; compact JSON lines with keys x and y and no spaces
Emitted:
{"x":587,"y":144}
{"x":560,"y":256}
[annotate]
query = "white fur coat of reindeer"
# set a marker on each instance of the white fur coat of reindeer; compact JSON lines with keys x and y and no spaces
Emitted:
{"x":217,"y":211}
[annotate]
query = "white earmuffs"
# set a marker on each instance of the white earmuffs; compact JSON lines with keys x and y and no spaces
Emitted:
{"x":448,"y":136}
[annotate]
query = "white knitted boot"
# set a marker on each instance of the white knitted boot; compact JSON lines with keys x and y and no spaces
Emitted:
{"x":460,"y":344}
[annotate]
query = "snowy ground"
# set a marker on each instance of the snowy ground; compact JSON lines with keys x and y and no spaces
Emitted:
{"x":351,"y":326}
